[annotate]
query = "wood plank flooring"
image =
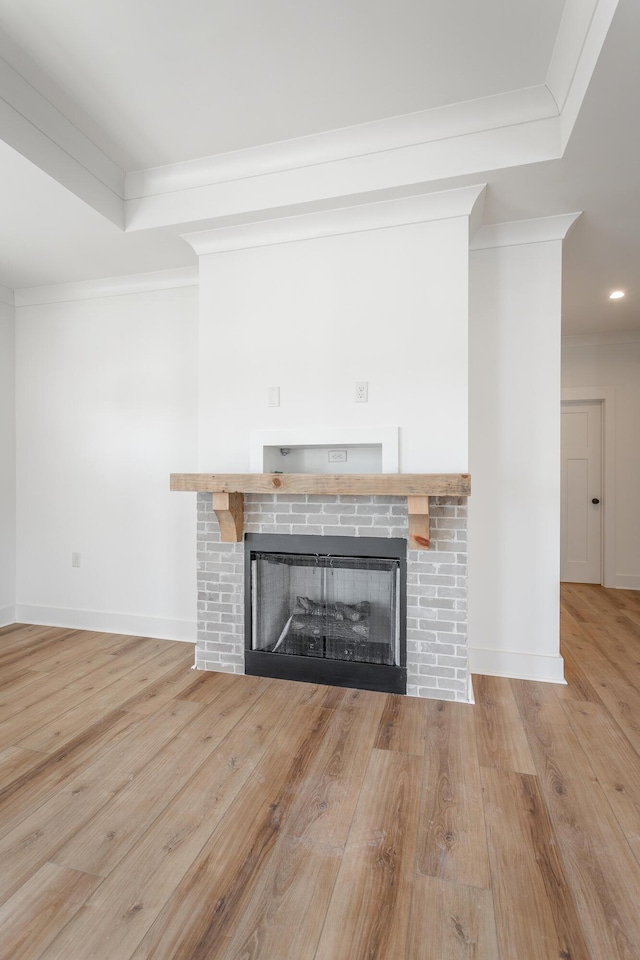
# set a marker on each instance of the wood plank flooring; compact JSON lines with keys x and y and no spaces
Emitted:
{"x":149,"y":812}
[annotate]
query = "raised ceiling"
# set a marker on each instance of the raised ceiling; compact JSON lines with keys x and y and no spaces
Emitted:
{"x":127,"y":124}
{"x":164,"y":82}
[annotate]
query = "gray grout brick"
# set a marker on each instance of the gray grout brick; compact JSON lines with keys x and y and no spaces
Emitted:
{"x":436,"y":579}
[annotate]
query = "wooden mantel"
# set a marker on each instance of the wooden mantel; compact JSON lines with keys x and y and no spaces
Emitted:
{"x":228,"y":491}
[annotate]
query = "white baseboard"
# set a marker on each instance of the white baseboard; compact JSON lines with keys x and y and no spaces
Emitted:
{"x":127,"y":623}
{"x":624,"y":582}
{"x":516,"y":666}
{"x":7,"y":616}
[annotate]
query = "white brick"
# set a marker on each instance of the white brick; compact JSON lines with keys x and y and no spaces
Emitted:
{"x":427,"y":637}
{"x":451,"y":684}
{"x":232,"y":658}
{"x":456,"y":662}
{"x":452,"y":616}
{"x":340,"y":509}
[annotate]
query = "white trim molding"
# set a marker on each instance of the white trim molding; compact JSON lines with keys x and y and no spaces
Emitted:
{"x":625,"y":581}
{"x":450,"y":122}
{"x":517,"y":232}
{"x":126,"y":623}
{"x":354,"y":218}
{"x":327,"y":181}
{"x":109,"y":287}
{"x":600,"y":339}
{"x":607,"y":396}
{"x":517,"y":666}
{"x":583,"y":29}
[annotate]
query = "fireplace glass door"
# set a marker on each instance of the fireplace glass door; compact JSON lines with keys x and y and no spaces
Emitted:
{"x":329,"y":607}
{"x":327,"y":610}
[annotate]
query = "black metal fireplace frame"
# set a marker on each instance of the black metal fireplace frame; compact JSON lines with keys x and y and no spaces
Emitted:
{"x":339,"y":673}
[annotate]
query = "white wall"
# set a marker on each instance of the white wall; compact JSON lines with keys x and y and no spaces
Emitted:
{"x":388,"y":306}
{"x":7,"y":467}
{"x":514,"y":439}
{"x":616,"y":365}
{"x":106,"y":408}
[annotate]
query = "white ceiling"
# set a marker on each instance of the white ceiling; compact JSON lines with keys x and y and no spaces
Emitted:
{"x":152,"y":83}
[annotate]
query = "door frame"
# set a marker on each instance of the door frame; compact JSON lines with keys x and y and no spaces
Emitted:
{"x":605,"y":395}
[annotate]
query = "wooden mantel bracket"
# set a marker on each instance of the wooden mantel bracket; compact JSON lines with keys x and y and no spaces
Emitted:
{"x":229,"y":509}
{"x":419,"y":537}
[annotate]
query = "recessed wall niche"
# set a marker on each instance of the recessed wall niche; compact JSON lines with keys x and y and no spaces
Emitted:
{"x":327,"y":450}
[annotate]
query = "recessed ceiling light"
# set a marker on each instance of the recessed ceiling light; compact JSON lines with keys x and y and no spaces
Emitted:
{"x":616,"y":295}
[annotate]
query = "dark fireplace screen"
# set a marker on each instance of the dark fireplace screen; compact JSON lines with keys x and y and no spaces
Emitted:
{"x":335,"y":608}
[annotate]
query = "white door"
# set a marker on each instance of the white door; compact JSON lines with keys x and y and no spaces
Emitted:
{"x":581,"y":507}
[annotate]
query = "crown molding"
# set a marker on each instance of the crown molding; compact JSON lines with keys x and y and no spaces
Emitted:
{"x":108,"y":287}
{"x":355,"y":218}
{"x":37,"y":130}
{"x":7,"y":296}
{"x":441,"y":159}
{"x":582,"y":32}
{"x":426,"y":126}
{"x":518,"y":232}
{"x":601,"y":339}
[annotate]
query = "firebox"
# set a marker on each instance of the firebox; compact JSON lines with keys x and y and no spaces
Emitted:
{"x":326,"y":610}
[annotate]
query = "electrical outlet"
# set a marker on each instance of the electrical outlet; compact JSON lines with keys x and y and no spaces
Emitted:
{"x":75,"y":559}
{"x":362,"y":391}
{"x":337,"y":456}
{"x":273,"y":396}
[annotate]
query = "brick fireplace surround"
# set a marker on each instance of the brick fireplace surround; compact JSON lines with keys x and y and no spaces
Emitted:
{"x":437,"y":663}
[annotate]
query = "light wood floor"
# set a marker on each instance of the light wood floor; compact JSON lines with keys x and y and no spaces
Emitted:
{"x":147,"y":811}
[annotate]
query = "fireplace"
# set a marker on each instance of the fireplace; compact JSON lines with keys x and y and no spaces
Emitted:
{"x":427,"y":512}
{"x":328,"y":609}
{"x":436,"y":580}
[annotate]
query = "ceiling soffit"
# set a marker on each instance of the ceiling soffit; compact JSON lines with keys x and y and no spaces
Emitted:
{"x":33,"y":127}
